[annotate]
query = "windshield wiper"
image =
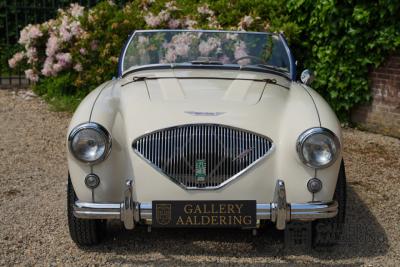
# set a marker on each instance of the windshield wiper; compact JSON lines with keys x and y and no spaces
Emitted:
{"x":206,"y":62}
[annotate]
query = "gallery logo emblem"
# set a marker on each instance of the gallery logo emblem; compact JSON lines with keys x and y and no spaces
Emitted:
{"x":163,"y":214}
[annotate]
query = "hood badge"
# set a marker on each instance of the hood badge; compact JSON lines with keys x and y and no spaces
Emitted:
{"x":199,"y":113}
{"x":201,"y":170}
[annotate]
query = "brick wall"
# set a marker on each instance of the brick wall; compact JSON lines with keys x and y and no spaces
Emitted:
{"x":382,"y":115}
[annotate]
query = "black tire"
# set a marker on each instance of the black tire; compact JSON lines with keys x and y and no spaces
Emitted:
{"x":84,"y":232}
{"x":327,"y":232}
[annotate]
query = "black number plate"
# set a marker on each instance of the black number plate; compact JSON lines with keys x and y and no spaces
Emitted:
{"x":230,"y":213}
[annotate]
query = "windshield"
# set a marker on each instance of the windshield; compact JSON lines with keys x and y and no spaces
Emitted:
{"x":180,"y":47}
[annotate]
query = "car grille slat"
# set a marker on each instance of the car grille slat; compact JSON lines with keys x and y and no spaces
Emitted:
{"x":202,"y":156}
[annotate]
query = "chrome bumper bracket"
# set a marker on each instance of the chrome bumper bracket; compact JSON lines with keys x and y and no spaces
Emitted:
{"x":280,"y":209}
{"x":128,"y":207}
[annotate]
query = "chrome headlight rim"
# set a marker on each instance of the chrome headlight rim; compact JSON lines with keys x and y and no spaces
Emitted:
{"x":317,"y":130}
{"x":98,"y":128}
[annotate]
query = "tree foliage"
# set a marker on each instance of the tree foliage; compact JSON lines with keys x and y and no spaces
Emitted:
{"x":341,"y":41}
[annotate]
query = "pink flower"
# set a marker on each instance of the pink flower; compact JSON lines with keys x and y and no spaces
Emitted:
{"x":78,"y":67}
{"x":29,"y":33}
{"x":64,"y":59}
{"x":213,"y":22}
{"x":94,"y":45}
{"x":151,"y":20}
{"x":31,"y":75}
{"x":205,"y":10}
{"x":48,"y":67}
{"x":76,"y":29}
{"x":57,"y":68}
{"x":82,"y":51}
{"x":163,"y":15}
{"x":174,"y":23}
{"x":65,"y":34}
{"x":171,"y":6}
{"x":34,"y":32}
{"x":31,"y":54}
{"x":52,"y":45}
{"x":23,"y":38}
{"x":190,"y":24}
{"x":12,"y":62}
{"x":76,"y":10}
{"x":64,"y":30}
{"x":245,"y":22}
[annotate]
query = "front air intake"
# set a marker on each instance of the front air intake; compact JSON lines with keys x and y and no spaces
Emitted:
{"x":202,"y":156}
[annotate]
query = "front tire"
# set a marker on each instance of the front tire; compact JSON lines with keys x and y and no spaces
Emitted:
{"x":84,"y":232}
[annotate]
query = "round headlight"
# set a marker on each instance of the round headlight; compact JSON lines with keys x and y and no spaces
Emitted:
{"x":90,"y":143}
{"x":318,"y":147}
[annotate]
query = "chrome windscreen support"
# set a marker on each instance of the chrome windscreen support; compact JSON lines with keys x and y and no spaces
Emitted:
{"x":128,"y":207}
{"x":280,"y":209}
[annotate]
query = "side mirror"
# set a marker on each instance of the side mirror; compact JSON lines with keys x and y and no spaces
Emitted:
{"x":307,"y":76}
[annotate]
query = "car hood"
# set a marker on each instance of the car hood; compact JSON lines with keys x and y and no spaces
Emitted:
{"x":150,"y":100}
{"x":243,"y":88}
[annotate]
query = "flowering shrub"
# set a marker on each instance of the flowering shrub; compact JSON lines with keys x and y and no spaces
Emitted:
{"x":76,"y":51}
{"x":81,"y":47}
{"x":47,"y":46}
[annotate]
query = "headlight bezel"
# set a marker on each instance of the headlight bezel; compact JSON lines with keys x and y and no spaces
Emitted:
{"x":99,"y":129}
{"x":312,"y":131}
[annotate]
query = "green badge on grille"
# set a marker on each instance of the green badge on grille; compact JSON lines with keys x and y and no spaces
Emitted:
{"x":201,"y":170}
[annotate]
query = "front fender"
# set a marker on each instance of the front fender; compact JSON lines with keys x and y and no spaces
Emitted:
{"x":78,"y":170}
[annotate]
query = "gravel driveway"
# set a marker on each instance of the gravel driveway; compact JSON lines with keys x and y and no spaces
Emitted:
{"x":33,"y":226}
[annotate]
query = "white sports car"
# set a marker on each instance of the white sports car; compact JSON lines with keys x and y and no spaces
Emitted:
{"x":205,"y":129}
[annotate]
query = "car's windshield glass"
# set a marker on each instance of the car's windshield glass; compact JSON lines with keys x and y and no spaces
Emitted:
{"x":261,"y":50}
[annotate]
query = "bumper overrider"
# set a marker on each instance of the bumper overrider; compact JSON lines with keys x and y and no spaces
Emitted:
{"x":279,"y":211}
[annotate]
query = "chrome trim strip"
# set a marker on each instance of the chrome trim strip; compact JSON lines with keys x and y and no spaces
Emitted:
{"x":309,"y":211}
{"x":146,"y":211}
{"x":222,"y":131}
{"x":86,"y":210}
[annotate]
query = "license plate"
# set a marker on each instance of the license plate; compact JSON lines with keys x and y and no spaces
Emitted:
{"x":230,"y":213}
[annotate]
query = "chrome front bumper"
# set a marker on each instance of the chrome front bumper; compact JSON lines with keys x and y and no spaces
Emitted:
{"x":279,"y":211}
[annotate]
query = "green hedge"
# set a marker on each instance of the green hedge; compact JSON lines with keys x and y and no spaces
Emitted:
{"x":342,"y":41}
{"x":339,"y":40}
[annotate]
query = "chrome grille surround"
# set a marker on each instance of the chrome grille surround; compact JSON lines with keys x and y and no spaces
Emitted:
{"x":227,"y":152}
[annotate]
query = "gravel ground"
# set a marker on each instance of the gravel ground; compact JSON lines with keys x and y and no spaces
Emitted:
{"x":33,"y":225}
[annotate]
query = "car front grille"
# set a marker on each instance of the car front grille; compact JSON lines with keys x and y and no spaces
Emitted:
{"x":202,"y":156}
